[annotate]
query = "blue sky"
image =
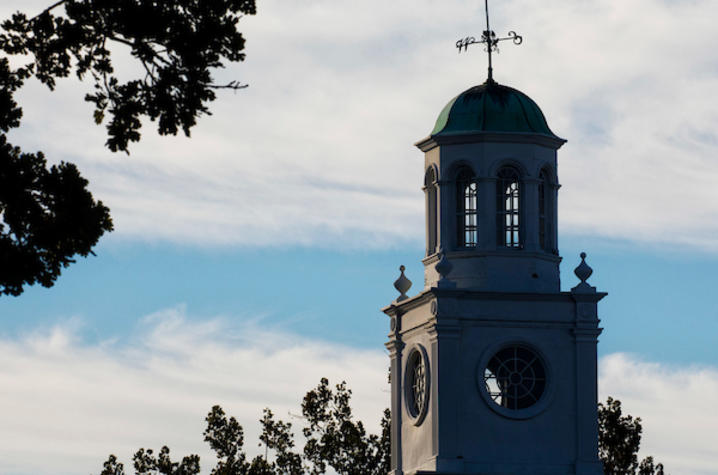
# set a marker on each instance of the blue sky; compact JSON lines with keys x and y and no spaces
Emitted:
{"x":253,"y":258}
{"x":660,"y":304}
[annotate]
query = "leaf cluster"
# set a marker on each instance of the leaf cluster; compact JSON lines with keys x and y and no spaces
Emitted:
{"x":325,"y":411}
{"x":619,"y":438}
{"x":146,"y":462}
{"x":335,"y":439}
{"x":177,"y":44}
{"x":47,"y":215}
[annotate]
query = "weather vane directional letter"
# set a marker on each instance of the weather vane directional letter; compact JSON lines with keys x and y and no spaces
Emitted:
{"x":488,"y":38}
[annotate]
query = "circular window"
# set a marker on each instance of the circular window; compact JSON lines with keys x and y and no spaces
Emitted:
{"x":515,"y":377}
{"x":417,"y":384}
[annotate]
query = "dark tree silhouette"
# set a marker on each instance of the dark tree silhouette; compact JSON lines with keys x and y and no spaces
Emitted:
{"x":334,"y":439}
{"x":47,"y":215}
{"x":619,"y":438}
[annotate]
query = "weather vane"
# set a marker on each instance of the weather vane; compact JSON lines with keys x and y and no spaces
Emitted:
{"x":488,"y":38}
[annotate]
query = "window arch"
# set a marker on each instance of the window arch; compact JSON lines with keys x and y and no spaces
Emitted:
{"x":508,"y":203}
{"x":544,"y":209}
{"x":431,"y":204}
{"x":467,"y":229}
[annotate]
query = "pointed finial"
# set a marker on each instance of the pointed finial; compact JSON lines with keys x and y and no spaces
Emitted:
{"x":402,"y":285}
{"x":488,"y":38}
{"x":583,"y":271}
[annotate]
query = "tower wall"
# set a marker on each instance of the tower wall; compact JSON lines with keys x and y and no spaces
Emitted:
{"x":463,"y":430}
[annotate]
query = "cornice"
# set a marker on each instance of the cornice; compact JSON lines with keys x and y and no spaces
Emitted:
{"x":434,"y":141}
{"x":434,"y":292}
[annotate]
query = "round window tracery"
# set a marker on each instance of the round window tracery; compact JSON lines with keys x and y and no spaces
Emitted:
{"x":515,"y":377}
{"x":417,"y":384}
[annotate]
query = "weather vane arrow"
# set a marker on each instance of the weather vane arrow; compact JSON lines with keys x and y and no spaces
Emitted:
{"x":488,"y":38}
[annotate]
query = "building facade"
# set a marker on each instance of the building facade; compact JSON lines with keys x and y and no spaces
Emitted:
{"x":493,"y":367}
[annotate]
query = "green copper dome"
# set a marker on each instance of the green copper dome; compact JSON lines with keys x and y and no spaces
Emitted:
{"x":491,"y":107}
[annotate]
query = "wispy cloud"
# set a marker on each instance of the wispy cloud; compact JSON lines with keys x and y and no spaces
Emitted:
{"x":317,"y":151}
{"x":676,"y":405}
{"x":67,"y":404}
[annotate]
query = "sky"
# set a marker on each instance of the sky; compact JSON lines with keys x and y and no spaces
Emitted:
{"x":252,"y":259}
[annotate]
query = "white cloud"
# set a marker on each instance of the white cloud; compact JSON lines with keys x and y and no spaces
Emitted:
{"x":317,"y":151}
{"x":676,"y":406}
{"x":66,"y":405}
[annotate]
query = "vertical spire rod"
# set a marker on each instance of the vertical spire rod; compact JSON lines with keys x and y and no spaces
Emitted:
{"x":488,"y":35}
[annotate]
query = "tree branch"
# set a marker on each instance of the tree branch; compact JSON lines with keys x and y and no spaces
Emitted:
{"x":47,"y":10}
{"x":149,"y":72}
{"x":121,"y":40}
{"x":230,"y":85}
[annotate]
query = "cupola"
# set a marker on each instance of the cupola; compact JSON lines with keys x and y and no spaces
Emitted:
{"x":491,"y":187}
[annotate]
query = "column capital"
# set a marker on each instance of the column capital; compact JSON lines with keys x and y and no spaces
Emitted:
{"x":586,"y":334}
{"x":394,"y":346}
{"x":443,"y":329}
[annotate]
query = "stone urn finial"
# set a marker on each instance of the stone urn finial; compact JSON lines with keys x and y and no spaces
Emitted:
{"x":402,"y":285}
{"x":583,"y":271}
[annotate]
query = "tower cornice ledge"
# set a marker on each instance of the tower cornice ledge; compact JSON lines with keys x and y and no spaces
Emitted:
{"x":511,"y":253}
{"x":434,"y":292}
{"x":434,"y":141}
{"x":587,"y":298}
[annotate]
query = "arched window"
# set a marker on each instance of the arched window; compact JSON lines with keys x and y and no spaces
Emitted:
{"x":467,"y":232}
{"x":508,"y":208}
{"x":431,"y":222}
{"x":543,"y":202}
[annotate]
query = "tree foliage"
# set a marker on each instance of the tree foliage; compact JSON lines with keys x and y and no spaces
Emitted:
{"x":177,"y":44}
{"x":619,"y":438}
{"x":47,"y":215}
{"x":334,"y":439}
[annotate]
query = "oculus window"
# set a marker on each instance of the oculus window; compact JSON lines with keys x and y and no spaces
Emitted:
{"x":417,"y":384}
{"x":515,"y":377}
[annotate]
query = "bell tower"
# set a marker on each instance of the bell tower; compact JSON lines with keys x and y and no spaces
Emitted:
{"x":491,"y":190}
{"x":493,"y":367}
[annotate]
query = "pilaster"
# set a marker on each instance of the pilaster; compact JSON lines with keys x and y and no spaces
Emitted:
{"x":586,"y":332}
{"x":395,"y":347}
{"x":487,"y":212}
{"x":530,"y":217}
{"x":445,"y":214}
{"x":444,"y":337}
{"x":553,"y":230}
